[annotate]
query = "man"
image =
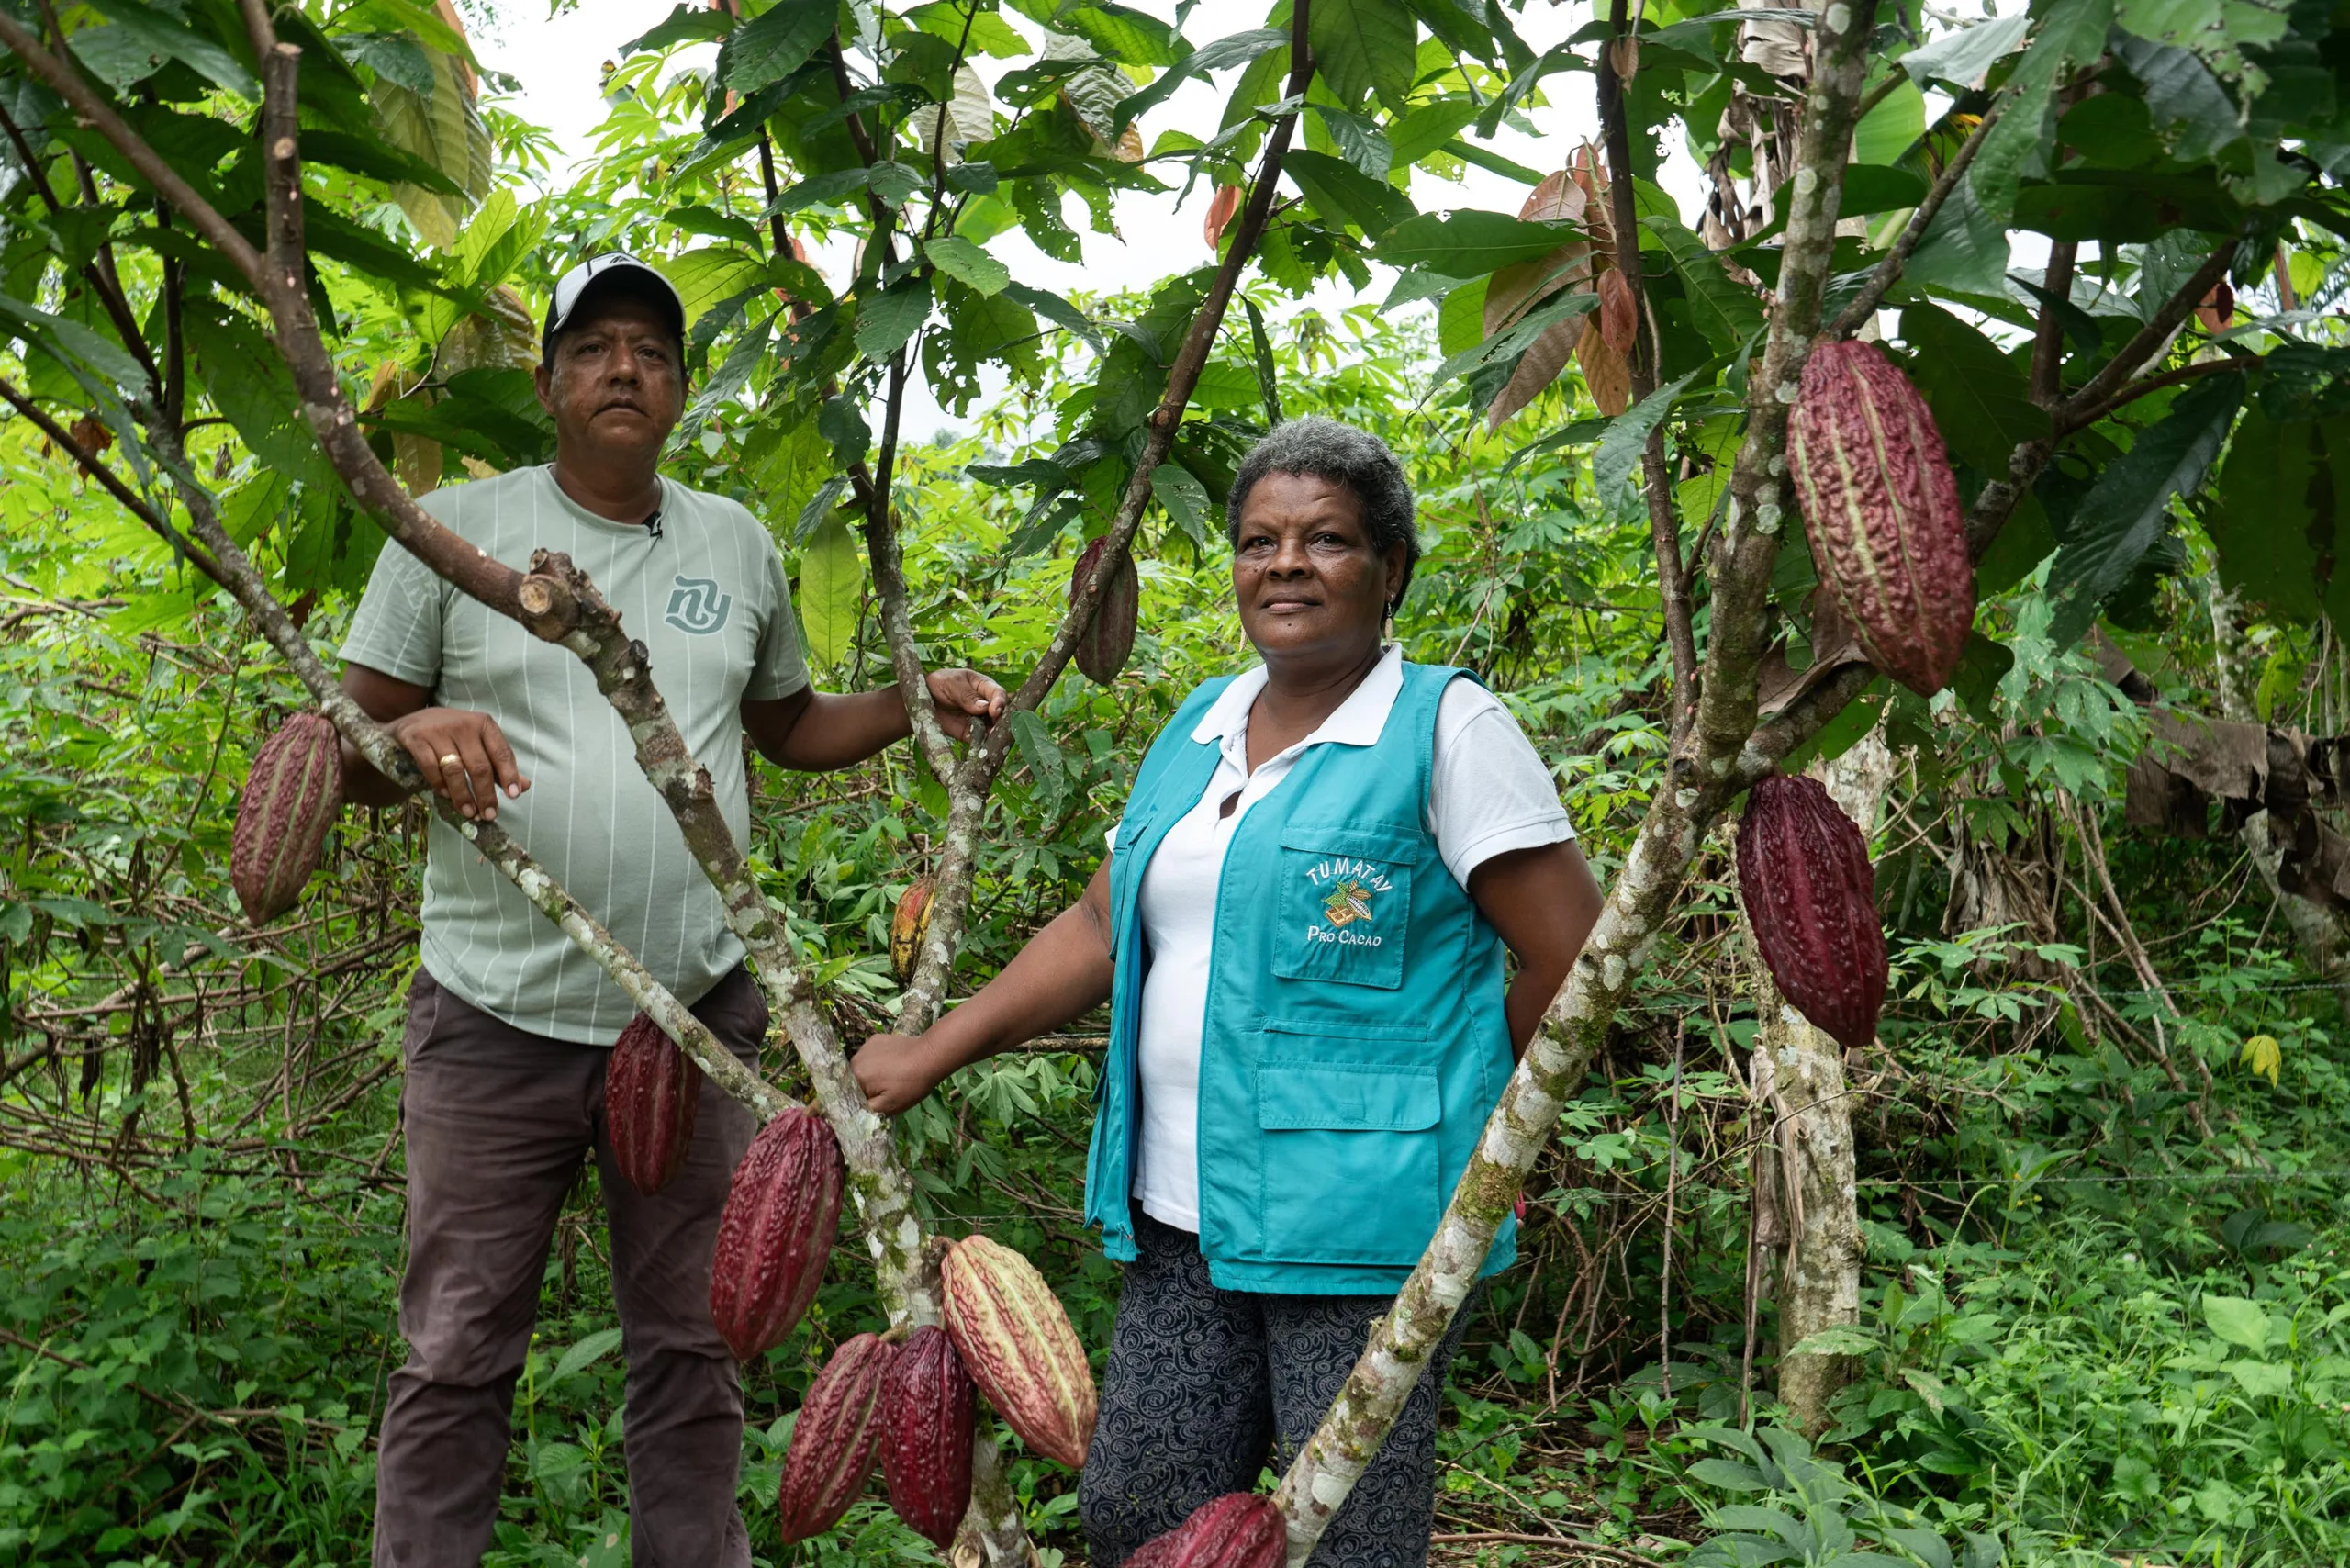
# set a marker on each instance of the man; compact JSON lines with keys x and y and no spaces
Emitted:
{"x":508,"y":1022}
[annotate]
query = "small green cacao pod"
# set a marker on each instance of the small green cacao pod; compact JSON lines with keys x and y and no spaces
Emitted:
{"x":1238,"y":1529}
{"x":929,"y":1410}
{"x":776,"y":1232}
{"x":651,"y":1092}
{"x":1020,"y":1347}
{"x":290,"y":799}
{"x":1881,"y":507}
{"x":1804,"y":877}
{"x":835,"y":1438}
{"x":1101,"y":651}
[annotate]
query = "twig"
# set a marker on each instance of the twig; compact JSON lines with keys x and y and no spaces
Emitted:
{"x":1887,"y":272}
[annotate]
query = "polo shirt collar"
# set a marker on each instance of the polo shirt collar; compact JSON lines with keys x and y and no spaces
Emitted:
{"x":1358,"y":721}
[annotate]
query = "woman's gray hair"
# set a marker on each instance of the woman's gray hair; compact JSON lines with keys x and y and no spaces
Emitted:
{"x":1344,"y":455}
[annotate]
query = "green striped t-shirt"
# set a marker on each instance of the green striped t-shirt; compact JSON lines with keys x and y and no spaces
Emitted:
{"x":708,"y":597}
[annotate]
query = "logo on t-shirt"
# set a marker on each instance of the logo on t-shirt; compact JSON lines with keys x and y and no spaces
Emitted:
{"x":1348,"y":888}
{"x":697,"y":606}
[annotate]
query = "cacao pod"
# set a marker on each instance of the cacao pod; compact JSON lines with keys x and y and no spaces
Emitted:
{"x":928,"y":1413}
{"x":776,"y":1232}
{"x":651,"y":1091}
{"x":909,"y":926}
{"x":1238,"y":1529}
{"x":1803,"y":876}
{"x":1881,"y":506}
{"x":290,"y":799}
{"x":1101,"y":651}
{"x":1019,"y":1346}
{"x":835,"y":1438}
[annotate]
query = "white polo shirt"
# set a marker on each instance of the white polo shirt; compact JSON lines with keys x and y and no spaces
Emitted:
{"x":1489,"y":792}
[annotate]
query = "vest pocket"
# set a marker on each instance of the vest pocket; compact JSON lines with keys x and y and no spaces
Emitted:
{"x":1343,"y":906}
{"x":1349,"y":1171}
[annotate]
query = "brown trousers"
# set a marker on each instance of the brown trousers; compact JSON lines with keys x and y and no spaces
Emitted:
{"x":498,"y":1123}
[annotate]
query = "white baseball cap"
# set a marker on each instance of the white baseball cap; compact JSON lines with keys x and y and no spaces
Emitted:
{"x":613,"y":271}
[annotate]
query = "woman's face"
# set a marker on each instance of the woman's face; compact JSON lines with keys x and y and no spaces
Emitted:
{"x":1308,"y":583}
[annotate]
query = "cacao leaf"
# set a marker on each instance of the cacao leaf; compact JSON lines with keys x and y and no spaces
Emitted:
{"x":2278,"y":526}
{"x":831,"y":590}
{"x":1470,"y":243}
{"x":1364,"y":48}
{"x":2129,"y":508}
{"x":1236,"y":48}
{"x":1981,"y":402}
{"x":773,"y":45}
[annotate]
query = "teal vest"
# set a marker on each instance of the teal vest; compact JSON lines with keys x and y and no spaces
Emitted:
{"x":1355,"y":1040}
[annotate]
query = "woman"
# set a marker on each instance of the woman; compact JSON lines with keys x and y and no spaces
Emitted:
{"x":1300,"y":932}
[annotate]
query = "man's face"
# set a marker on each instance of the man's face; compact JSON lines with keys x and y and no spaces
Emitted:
{"x":613,"y":381}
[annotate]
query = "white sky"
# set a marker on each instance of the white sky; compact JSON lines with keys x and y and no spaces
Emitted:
{"x":558,"y":61}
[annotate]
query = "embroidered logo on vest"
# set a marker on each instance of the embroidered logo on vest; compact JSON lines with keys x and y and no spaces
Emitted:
{"x":696,"y":606}
{"x":1348,"y":887}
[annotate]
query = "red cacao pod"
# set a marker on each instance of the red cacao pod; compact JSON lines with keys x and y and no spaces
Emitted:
{"x":1019,"y":1346}
{"x":835,"y":1438}
{"x":909,"y":926}
{"x":928,"y":1413}
{"x":1238,"y":1529}
{"x":776,"y":1232}
{"x":290,"y":799}
{"x":1803,"y":876}
{"x":1101,"y":651}
{"x":652,"y":1090}
{"x":1881,"y":506}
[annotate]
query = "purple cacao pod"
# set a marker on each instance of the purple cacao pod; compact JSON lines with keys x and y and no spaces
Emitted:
{"x":1101,"y":651}
{"x":835,"y":1438}
{"x":1238,"y":1529}
{"x":290,"y":799}
{"x":776,"y":1232}
{"x":929,"y":1411}
{"x":652,"y":1090}
{"x":1804,"y":877}
{"x":1881,"y":507}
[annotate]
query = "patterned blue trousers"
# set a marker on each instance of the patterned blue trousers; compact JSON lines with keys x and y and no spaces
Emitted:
{"x":1205,"y":1385}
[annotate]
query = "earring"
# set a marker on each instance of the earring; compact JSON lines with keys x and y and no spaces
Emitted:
{"x":1387,"y":629}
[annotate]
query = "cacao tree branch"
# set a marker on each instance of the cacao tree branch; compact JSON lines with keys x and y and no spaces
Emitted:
{"x":1887,"y":272}
{"x":2046,"y":378}
{"x":968,"y":785}
{"x":2070,"y":420}
{"x":1700,"y":782}
{"x":2153,"y":337}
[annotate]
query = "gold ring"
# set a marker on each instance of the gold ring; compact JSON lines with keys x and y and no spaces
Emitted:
{"x":448,"y":759}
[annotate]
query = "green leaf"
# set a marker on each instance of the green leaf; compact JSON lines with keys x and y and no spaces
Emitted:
{"x":1185,"y":499}
{"x":1729,"y":1475}
{"x":831,"y":590}
{"x":164,"y":35}
{"x":594,"y":1348}
{"x":1056,"y":310}
{"x":1617,"y":456}
{"x":1237,"y":49}
{"x":687,"y":23}
{"x":1365,"y":49}
{"x":2261,"y":1380}
{"x":1981,"y":400}
{"x":774,"y":44}
{"x":1726,"y":311}
{"x":1343,"y":194}
{"x":2071,"y":32}
{"x":968,"y":265}
{"x":2238,"y":1321}
{"x":2278,"y":524}
{"x":715,"y":273}
{"x":1886,"y":133}
{"x":250,"y":384}
{"x":1964,"y":250}
{"x":2129,"y":508}
{"x":442,"y":128}
{"x":1961,"y":56}
{"x":1268,"y":377}
{"x":1429,"y":127}
{"x":1471,"y":244}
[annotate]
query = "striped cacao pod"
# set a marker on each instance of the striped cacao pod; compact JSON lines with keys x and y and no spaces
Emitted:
{"x":1803,"y":874}
{"x":909,"y":926}
{"x":1238,"y":1529}
{"x":1881,"y":506}
{"x":776,"y":1232}
{"x":928,"y":1413}
{"x":290,"y":799}
{"x":835,"y":1438}
{"x":1101,"y":651}
{"x":1019,"y":1346}
{"x":651,"y":1093}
